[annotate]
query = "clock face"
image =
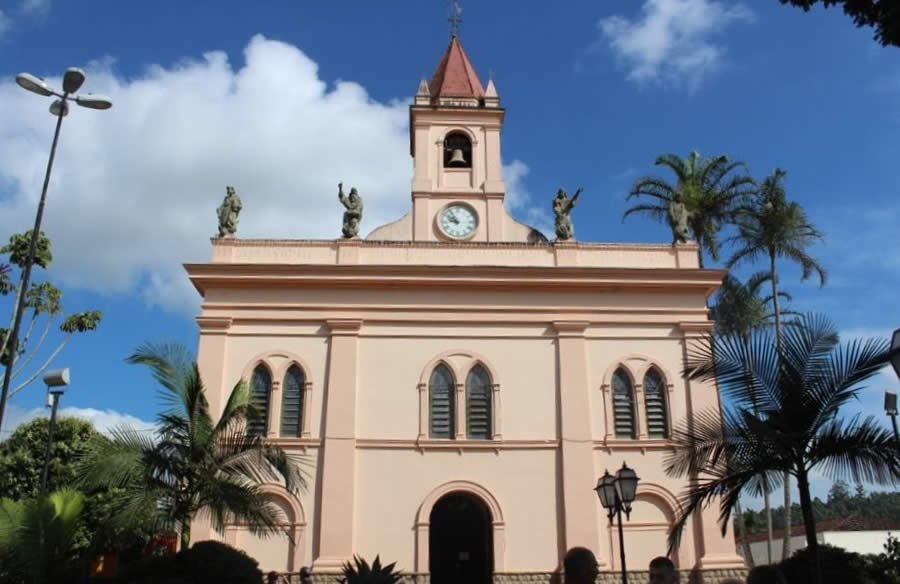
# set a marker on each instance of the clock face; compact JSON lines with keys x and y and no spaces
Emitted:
{"x":458,"y":221}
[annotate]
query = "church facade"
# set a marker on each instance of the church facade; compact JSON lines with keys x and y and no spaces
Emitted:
{"x":459,"y":382}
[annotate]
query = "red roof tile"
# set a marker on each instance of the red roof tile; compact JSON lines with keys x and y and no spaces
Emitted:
{"x":455,"y":76}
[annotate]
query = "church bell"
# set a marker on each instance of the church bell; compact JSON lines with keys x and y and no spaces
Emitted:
{"x":457,"y":158}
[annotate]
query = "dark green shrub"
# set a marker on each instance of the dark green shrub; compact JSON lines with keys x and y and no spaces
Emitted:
{"x":206,"y":562}
{"x":361,"y":573}
{"x":838,"y":567}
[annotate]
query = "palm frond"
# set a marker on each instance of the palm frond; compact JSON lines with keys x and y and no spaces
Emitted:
{"x":116,"y":461}
{"x":860,"y":450}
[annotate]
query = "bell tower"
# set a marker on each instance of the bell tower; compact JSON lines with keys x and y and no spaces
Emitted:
{"x":454,"y":128}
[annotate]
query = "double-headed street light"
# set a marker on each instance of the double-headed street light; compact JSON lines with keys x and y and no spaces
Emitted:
{"x":72,"y":81}
{"x":616,"y":495}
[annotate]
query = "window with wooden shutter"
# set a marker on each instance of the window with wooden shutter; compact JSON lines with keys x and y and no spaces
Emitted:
{"x":292,"y":402}
{"x":260,"y":389}
{"x":623,"y":405}
{"x":442,"y":403}
{"x":655,"y":400}
{"x":478,"y":404}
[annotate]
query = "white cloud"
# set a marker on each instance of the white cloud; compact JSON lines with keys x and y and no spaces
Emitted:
{"x":5,"y":24}
{"x":520,"y":202}
{"x":35,"y":6}
{"x":671,"y":41}
{"x":135,"y":188}
{"x":102,"y":420}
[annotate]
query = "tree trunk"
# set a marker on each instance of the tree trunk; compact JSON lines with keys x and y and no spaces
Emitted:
{"x":185,"y":533}
{"x":809,"y":524}
{"x":770,"y":536}
{"x":775,"y":305}
{"x":741,"y":529}
{"x":786,"y":540}
{"x":770,"y":546}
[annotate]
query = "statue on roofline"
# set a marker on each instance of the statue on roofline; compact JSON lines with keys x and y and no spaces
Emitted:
{"x":678,"y":217}
{"x":228,"y":213}
{"x":353,"y":215}
{"x":562,"y":208}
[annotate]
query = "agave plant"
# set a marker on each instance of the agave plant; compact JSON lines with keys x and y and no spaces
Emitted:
{"x":359,"y":572}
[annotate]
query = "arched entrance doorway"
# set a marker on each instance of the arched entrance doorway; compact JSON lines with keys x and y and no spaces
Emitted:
{"x":460,"y":546}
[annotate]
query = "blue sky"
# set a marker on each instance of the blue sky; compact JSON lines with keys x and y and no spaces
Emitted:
{"x":284,"y":99}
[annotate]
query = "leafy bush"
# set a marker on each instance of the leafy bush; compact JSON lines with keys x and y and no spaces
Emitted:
{"x":206,"y":562}
{"x":888,"y":563}
{"x":838,"y":567}
{"x":360,"y":573}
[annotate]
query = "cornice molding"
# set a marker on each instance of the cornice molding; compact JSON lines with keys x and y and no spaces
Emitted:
{"x":236,"y":275}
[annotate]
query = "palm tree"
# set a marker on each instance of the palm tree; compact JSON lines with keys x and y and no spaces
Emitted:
{"x":193,"y":464}
{"x":800,"y":391}
{"x":40,"y":532}
{"x":773,"y":227}
{"x":709,"y":189}
{"x":738,"y":311}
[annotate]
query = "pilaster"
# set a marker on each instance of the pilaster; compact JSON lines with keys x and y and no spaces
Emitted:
{"x":580,"y":519}
{"x":337,"y":493}
{"x":212,"y":355}
{"x":713,"y":551}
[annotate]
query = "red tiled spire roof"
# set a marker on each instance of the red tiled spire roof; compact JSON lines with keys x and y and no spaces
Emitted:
{"x":455,"y":76}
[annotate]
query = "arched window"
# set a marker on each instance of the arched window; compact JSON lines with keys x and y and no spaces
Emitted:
{"x":457,"y":151}
{"x":441,"y":403}
{"x":623,"y":404}
{"x":655,"y":400}
{"x":292,"y":402}
{"x":260,"y":390}
{"x":478,"y":404}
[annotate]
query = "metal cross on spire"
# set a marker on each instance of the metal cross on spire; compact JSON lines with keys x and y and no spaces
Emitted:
{"x":455,"y":18}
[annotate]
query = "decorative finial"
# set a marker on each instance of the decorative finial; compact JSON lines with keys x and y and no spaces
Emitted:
{"x":455,"y":18}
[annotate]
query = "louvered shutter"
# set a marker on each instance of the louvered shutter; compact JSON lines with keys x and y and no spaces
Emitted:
{"x":623,"y":405}
{"x":292,"y":402}
{"x":655,"y":399}
{"x":260,"y":388}
{"x":478,"y":404}
{"x":441,"y":403}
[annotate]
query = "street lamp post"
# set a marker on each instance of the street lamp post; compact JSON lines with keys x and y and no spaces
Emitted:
{"x":895,"y":352}
{"x":890,"y":408}
{"x":616,"y":495}
{"x":72,"y":81}
{"x":56,"y":380}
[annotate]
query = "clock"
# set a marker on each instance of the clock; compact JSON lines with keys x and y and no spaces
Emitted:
{"x":458,"y":221}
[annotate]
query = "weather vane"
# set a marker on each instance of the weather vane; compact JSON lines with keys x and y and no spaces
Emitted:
{"x":455,"y":17}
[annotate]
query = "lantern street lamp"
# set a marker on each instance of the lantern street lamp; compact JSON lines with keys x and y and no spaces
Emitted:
{"x":616,"y":495}
{"x":56,"y":380}
{"x":72,"y":81}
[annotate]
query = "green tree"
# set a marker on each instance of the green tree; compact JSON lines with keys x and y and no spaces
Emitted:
{"x":773,"y":228}
{"x":39,"y":533}
{"x":42,"y":308}
{"x":192,"y":463}
{"x":710,"y":189}
{"x":800,"y":391}
{"x":22,"y":458}
{"x":882,"y":15}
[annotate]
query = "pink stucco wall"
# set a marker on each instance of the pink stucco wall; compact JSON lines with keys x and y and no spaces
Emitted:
{"x":550,"y":349}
